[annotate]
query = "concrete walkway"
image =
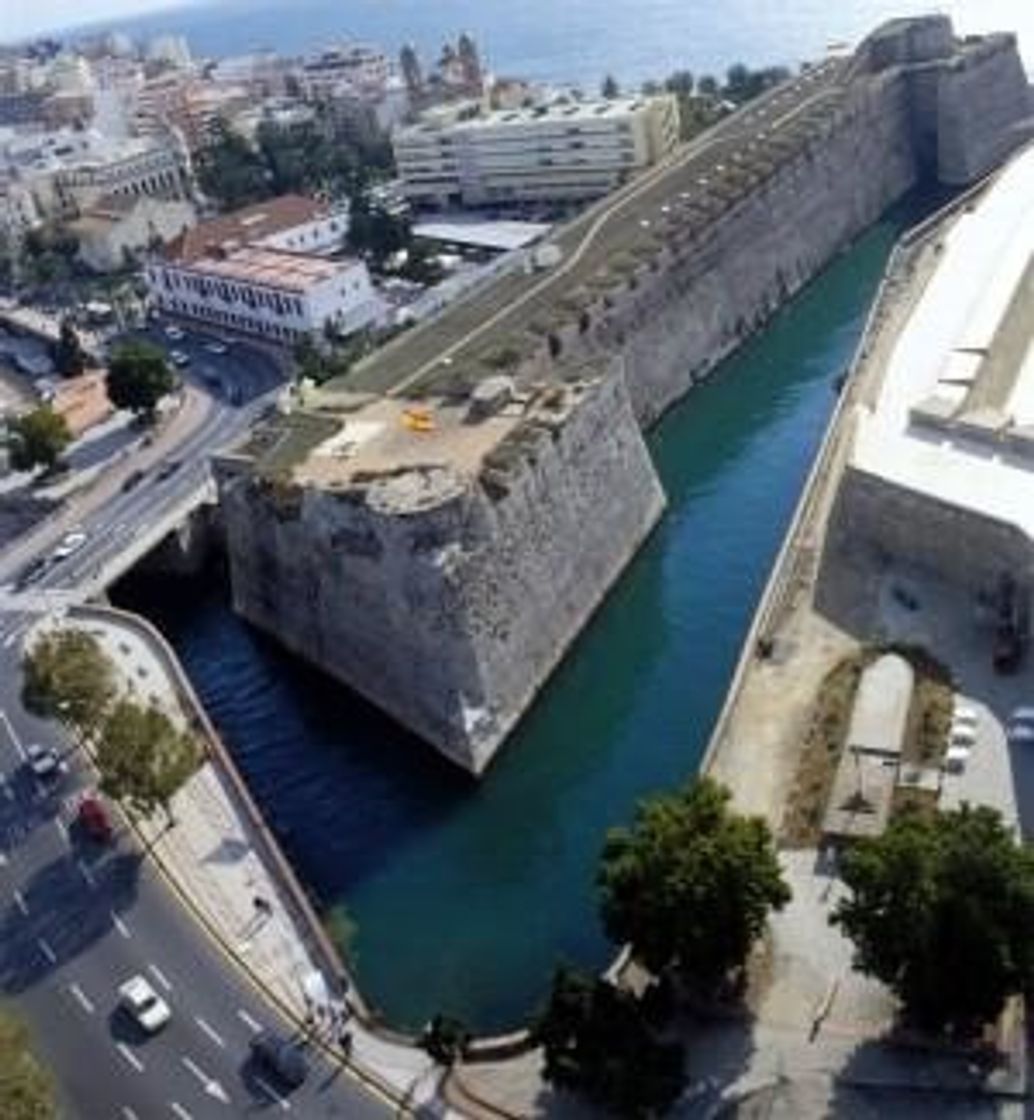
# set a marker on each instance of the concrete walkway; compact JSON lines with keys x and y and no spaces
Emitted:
{"x":219,"y":866}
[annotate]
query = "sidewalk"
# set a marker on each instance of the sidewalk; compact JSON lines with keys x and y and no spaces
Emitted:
{"x":214,"y":858}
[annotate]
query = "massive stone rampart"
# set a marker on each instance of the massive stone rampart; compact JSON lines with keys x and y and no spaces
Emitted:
{"x":448,"y":600}
{"x":448,"y":596}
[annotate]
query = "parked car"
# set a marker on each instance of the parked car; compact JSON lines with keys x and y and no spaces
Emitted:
{"x":143,"y":1004}
{"x":1021,"y":731}
{"x":174,"y":334}
{"x":955,"y":759}
{"x":964,"y":715}
{"x":280,"y":1057}
{"x":167,"y":470}
{"x":43,"y":761}
{"x":216,"y":347}
{"x":93,"y":818}
{"x":31,"y":572}
{"x":131,"y":481}
{"x":179,"y":358}
{"x":69,"y":543}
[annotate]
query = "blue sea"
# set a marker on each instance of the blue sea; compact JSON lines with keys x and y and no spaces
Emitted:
{"x":575,"y":41}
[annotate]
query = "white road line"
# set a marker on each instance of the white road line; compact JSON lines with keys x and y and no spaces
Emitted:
{"x":62,"y":829}
{"x":270,"y":1092}
{"x":160,"y":976}
{"x":128,"y":1113}
{"x":81,"y":998}
{"x":13,"y":735}
{"x":3,"y":859}
{"x":19,"y":901}
{"x":45,"y":949}
{"x":130,"y":1057}
{"x":248,"y":1021}
{"x":87,"y":874}
{"x":120,"y":925}
{"x":180,"y":1111}
{"x":210,"y":1031}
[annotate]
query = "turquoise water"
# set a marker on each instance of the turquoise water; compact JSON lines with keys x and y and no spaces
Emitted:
{"x":465,"y":894}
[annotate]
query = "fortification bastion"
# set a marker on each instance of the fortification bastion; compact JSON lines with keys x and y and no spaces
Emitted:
{"x":435,"y":529}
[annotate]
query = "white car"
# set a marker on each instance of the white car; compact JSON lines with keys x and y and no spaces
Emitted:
{"x":962,"y":735}
{"x":180,"y":358}
{"x":955,"y":759}
{"x":963,"y":714}
{"x":43,"y":761}
{"x":1023,"y":715}
{"x":1021,"y":733}
{"x":69,"y":543}
{"x":174,"y":334}
{"x":141,"y":1001}
{"x":216,"y":347}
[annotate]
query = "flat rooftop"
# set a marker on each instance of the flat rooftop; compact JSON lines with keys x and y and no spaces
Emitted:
{"x":273,"y":268}
{"x":557,"y":112}
{"x":955,"y":414}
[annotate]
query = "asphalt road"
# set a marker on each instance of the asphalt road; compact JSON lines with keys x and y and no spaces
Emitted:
{"x":77,"y":920}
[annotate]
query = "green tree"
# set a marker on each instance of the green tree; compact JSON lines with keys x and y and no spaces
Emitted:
{"x":231,"y":171}
{"x":26,"y":1091}
{"x":377,"y":234}
{"x":37,"y":438}
{"x":691,"y":883}
{"x":143,"y":758}
{"x":680,"y":82}
{"x":941,"y":910}
{"x":138,"y":378}
{"x":598,"y":1042}
{"x":446,"y":1039}
{"x":708,"y":86}
{"x":68,"y":353}
{"x":609,"y":88}
{"x":66,"y":675}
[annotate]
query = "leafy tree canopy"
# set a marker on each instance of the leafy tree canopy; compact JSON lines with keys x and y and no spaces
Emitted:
{"x":68,"y":353}
{"x":691,"y":883}
{"x":942,"y":911}
{"x":26,"y":1092}
{"x":598,"y":1042}
{"x":37,"y":438}
{"x":609,"y":88}
{"x":143,"y":758}
{"x":67,"y":676}
{"x":138,"y":377}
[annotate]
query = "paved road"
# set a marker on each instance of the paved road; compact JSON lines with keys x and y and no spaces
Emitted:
{"x":76,"y":921}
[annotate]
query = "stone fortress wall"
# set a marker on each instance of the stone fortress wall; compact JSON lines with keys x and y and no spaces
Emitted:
{"x":448,"y":604}
{"x":447,"y":598}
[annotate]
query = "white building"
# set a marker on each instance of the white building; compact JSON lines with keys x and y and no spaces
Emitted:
{"x":171,"y":49}
{"x":116,"y":230}
{"x":260,"y":270}
{"x":277,"y":295}
{"x":360,"y":67}
{"x":562,"y":151}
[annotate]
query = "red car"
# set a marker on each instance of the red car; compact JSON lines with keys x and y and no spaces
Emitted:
{"x":94,"y":819}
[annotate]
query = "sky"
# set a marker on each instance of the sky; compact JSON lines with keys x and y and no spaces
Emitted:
{"x":21,"y":18}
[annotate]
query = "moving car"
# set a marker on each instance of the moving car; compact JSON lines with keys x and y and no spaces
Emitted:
{"x":167,"y":470}
{"x":140,"y":1001}
{"x":31,"y":572}
{"x":131,"y":481}
{"x":216,"y":347}
{"x":43,"y":761}
{"x":1021,"y":726}
{"x":179,"y":358}
{"x":281,"y":1057}
{"x":69,"y":543}
{"x":92,"y":816}
{"x":173,"y":334}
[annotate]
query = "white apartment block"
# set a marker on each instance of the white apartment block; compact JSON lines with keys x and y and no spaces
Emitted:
{"x":267,"y":292}
{"x":357,"y":66}
{"x":557,"y":152}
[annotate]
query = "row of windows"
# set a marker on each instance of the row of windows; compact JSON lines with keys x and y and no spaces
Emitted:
{"x":232,"y":319}
{"x":232,"y":293}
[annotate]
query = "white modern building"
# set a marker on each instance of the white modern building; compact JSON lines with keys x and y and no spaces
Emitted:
{"x":264,"y":270}
{"x":562,"y":151}
{"x":268,"y":292}
{"x":355,"y":65}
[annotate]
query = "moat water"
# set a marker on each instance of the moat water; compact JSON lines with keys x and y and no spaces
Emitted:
{"x":463,"y":895}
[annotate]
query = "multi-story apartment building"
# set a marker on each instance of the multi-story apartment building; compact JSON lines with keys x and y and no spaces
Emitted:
{"x":557,"y":152}
{"x":257,"y":271}
{"x":355,"y":65}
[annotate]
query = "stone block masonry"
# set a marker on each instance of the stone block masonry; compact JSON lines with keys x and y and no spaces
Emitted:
{"x":440,"y":564}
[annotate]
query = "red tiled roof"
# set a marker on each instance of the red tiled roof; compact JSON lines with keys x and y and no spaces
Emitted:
{"x":243,"y":227}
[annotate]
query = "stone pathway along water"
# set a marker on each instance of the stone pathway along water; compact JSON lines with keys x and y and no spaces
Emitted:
{"x":461,"y":896}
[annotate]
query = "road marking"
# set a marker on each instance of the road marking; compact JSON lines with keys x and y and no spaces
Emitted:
{"x":209,"y":1084}
{"x":45,"y":949}
{"x":3,"y":859}
{"x":62,"y":829}
{"x":19,"y":901}
{"x":248,"y":1021}
{"x":270,"y":1092}
{"x":128,"y":1113}
{"x":130,"y":1057}
{"x":81,"y":998}
{"x":210,"y":1031}
{"x":160,"y":976}
{"x":13,"y":735}
{"x":86,"y":873}
{"x":120,"y":925}
{"x":180,"y":1111}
